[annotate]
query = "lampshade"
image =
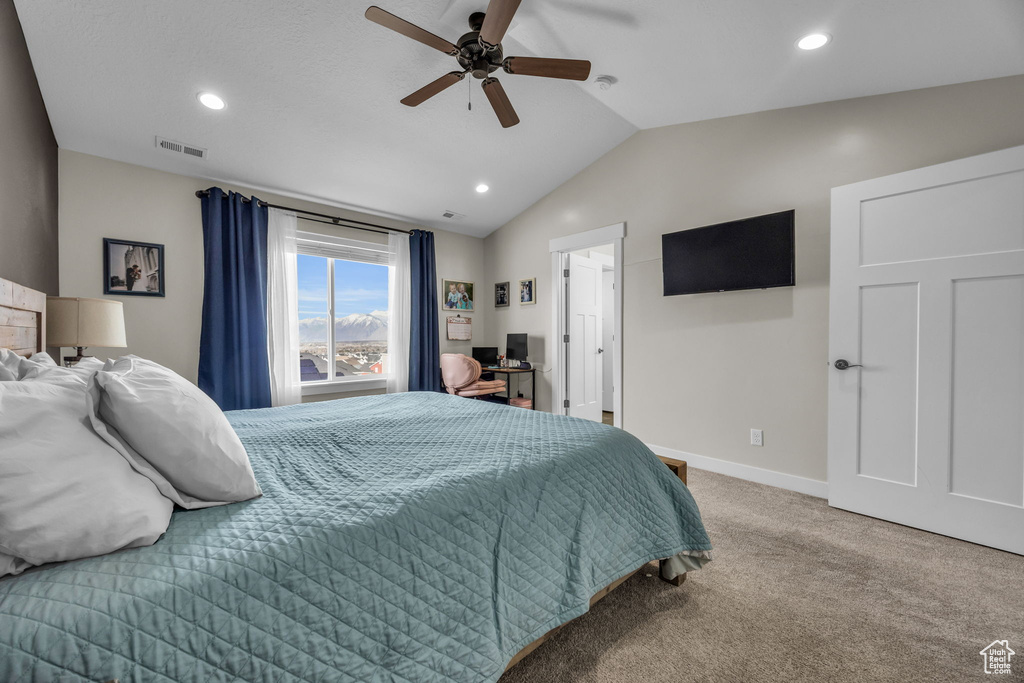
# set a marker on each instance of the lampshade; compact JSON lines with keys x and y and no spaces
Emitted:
{"x":72,"y":321}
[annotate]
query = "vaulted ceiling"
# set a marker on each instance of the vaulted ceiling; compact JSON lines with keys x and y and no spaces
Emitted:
{"x":313,"y":88}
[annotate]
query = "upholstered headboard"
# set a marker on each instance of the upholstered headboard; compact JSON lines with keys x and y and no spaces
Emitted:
{"x":22,"y":318}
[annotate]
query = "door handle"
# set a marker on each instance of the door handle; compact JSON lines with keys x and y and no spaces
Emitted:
{"x":843,"y":364}
{"x":600,"y":350}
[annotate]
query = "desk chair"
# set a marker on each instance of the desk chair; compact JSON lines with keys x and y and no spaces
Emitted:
{"x":461,"y":376}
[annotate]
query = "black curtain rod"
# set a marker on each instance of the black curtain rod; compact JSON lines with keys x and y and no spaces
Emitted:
{"x":334,"y":220}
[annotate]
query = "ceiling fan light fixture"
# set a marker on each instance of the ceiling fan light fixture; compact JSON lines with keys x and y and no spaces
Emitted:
{"x":480,"y":54}
{"x":211,"y":101}
{"x":482,"y":187}
{"x":812,"y":41}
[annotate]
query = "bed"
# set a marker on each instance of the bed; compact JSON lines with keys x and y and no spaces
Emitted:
{"x":410,"y":537}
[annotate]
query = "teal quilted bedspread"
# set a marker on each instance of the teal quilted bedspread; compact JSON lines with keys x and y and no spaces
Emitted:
{"x":412,"y":537}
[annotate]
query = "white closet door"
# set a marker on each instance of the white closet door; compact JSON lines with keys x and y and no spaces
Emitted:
{"x":927,"y":294}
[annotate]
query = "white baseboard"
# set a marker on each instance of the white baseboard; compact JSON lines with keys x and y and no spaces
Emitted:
{"x":791,"y":482}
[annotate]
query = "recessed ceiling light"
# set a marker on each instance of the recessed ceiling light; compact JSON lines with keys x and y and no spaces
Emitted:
{"x":813,"y":41}
{"x":481,"y":188}
{"x":210,"y":100}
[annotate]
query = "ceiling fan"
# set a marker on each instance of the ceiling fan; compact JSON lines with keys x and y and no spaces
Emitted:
{"x":479,"y":53}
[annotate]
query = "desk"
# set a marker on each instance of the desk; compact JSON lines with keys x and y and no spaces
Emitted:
{"x":519,"y":372}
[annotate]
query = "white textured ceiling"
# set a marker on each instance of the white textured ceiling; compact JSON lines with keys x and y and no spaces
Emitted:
{"x":313,"y":88}
{"x":312,"y":91}
{"x":689,"y":60}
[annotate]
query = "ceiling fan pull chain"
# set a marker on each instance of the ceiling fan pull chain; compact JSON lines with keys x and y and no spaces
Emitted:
{"x":470,"y":91}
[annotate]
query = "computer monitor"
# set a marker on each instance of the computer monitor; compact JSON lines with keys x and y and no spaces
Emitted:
{"x":486,"y":355}
{"x":515,"y":347}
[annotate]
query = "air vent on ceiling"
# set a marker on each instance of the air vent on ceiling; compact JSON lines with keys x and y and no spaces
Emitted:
{"x":453,"y":216}
{"x":180,"y":148}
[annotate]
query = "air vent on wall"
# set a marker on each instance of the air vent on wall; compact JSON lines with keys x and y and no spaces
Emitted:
{"x":451,"y":215}
{"x":180,"y":148}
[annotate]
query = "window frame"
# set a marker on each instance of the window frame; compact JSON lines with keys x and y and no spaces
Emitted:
{"x":335,"y":248}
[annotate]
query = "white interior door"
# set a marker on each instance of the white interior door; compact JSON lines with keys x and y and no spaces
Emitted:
{"x":586,"y":365}
{"x":927,"y":294}
{"x":607,"y":338}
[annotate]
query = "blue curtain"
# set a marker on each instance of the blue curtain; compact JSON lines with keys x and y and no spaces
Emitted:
{"x":234,"y":366}
{"x":424,"y":345}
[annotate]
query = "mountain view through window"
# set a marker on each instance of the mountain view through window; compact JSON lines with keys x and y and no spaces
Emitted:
{"x":360,"y":299}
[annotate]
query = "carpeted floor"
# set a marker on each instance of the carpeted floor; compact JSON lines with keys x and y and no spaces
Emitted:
{"x":798,"y":591}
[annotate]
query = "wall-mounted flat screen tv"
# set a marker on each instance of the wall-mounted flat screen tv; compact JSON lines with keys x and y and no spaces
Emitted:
{"x":752,"y":253}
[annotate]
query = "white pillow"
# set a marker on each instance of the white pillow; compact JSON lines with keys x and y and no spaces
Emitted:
{"x":37,"y":360}
{"x":12,"y":565}
{"x":41,"y":368}
{"x":180,"y":437}
{"x":10,"y":367}
{"x":15,"y":367}
{"x":64,"y":492}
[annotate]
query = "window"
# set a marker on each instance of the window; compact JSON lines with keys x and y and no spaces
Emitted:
{"x":344,"y":281}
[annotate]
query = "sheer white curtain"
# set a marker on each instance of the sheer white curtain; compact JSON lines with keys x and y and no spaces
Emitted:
{"x":283,"y":308}
{"x":399,"y":312}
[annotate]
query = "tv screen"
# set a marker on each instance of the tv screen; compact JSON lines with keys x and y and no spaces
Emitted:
{"x":515,"y":347}
{"x":752,"y":253}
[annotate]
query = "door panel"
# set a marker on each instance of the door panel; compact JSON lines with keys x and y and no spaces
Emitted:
{"x":608,"y":314}
{"x":591,"y":389}
{"x":987,"y":459}
{"x":927,"y":293}
{"x":888,"y":388}
{"x":585,"y":327}
{"x":932,"y":221}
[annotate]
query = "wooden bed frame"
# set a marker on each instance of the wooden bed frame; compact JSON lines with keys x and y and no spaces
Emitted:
{"x":23,"y":330}
{"x":22,"y":318}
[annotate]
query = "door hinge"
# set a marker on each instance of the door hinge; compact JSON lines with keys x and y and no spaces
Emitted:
{"x":565,"y":339}
{"x":565,"y":403}
{"x":565,"y":273}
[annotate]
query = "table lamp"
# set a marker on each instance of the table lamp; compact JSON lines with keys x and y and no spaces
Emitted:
{"x":79,"y":322}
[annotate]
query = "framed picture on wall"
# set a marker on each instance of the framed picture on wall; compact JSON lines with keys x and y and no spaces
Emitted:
{"x":456,"y":295}
{"x":501,"y":294}
{"x":528,"y":291}
{"x":133,"y":268}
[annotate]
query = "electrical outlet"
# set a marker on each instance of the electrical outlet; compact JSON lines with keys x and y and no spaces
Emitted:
{"x":756,"y":437}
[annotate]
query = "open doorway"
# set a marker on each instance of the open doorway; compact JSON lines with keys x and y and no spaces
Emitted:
{"x":587,"y":320}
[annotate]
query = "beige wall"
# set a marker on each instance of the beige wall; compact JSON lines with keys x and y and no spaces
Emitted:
{"x":28,"y":167}
{"x":103,"y":198}
{"x":462,"y":258}
{"x":700,"y":371}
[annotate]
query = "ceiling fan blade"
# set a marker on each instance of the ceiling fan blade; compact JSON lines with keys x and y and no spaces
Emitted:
{"x":499,"y":16}
{"x":500,"y":103}
{"x":572,"y":69}
{"x":388,"y":20}
{"x":432,"y":88}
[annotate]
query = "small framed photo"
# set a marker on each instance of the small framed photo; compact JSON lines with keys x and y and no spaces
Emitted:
{"x":501,"y":297}
{"x":133,"y":268}
{"x":528,"y":291}
{"x":456,"y":295}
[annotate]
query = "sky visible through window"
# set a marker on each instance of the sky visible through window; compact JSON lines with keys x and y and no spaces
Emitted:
{"x":358,"y":287}
{"x":360,"y":319}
